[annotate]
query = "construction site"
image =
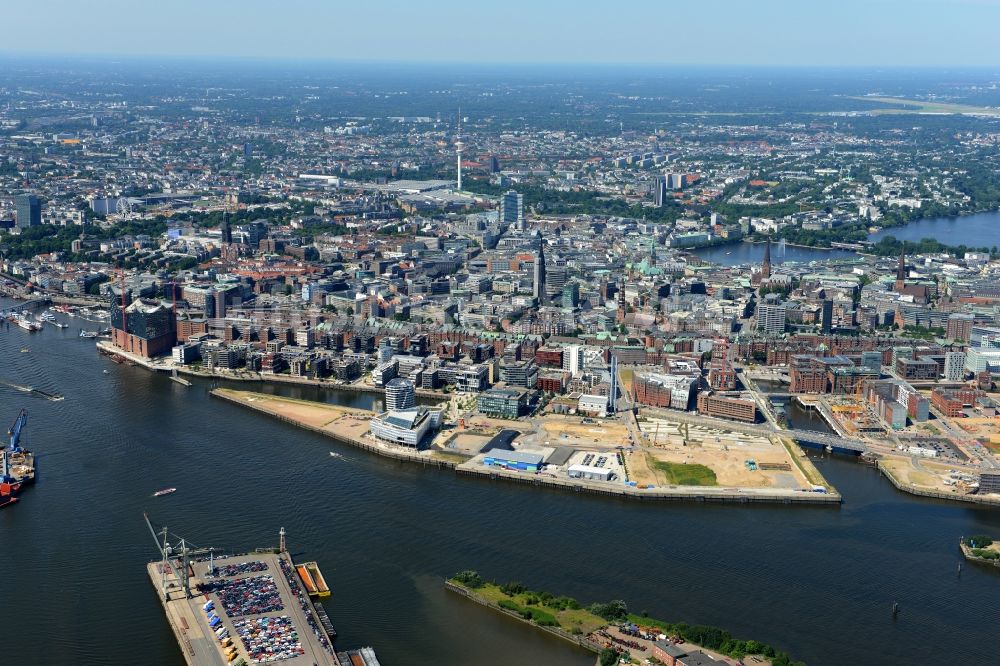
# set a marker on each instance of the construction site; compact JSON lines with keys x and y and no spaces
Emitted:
{"x":681,"y":453}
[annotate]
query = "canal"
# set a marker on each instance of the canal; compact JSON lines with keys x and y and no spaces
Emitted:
{"x":818,"y":582}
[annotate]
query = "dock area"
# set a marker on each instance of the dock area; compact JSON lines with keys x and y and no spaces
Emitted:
{"x":252,"y":609}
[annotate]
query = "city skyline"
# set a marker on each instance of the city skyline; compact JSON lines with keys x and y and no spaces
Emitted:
{"x":887,"y":33}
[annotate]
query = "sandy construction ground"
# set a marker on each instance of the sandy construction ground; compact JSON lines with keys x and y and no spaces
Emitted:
{"x":724,"y":452}
{"x":561,"y":430}
{"x":917,"y":472}
{"x":334,"y":418}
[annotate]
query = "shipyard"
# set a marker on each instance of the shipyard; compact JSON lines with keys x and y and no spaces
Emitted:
{"x":248,"y":608}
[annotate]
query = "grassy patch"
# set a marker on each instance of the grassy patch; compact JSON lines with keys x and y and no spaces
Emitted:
{"x":686,"y":474}
{"x":533,"y":605}
{"x":456,"y":458}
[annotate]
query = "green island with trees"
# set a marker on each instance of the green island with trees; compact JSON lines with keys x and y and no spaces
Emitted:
{"x":982,"y":549}
{"x":575,"y":621}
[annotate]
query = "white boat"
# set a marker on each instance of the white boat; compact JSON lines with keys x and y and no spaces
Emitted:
{"x":27,"y":324}
{"x":165,"y":491}
{"x":335,"y":455}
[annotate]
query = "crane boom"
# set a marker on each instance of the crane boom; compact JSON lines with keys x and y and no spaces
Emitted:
{"x":15,"y":431}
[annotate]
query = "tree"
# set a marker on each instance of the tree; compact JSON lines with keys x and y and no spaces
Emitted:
{"x":612,"y":611}
{"x":469,"y":578}
{"x":609,"y":657}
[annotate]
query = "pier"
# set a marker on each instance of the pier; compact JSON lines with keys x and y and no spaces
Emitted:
{"x":243,"y":609}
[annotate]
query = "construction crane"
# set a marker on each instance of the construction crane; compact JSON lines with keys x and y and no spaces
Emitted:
{"x":8,"y":484}
{"x":15,"y":432}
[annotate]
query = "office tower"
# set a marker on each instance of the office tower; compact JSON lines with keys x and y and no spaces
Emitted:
{"x":29,"y":211}
{"x":660,"y":191}
{"x":494,"y":164}
{"x":399,"y":394}
{"x":512,"y":210}
{"x":771,"y":318}
{"x":826,"y":323}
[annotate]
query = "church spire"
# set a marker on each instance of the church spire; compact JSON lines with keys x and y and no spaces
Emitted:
{"x":765,"y":268}
{"x":901,"y":271}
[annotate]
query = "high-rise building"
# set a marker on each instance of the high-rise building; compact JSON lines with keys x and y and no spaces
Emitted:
{"x":826,"y":321}
{"x":572,"y":360}
{"x":660,"y":191}
{"x":954,"y":366}
{"x":399,"y":394}
{"x":571,"y":295}
{"x":771,"y":318}
{"x":29,"y":211}
{"x":538,"y":286}
{"x":494,"y":164}
{"x":512,"y":210}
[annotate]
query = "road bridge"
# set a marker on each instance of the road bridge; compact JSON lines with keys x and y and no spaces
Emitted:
{"x":17,"y":307}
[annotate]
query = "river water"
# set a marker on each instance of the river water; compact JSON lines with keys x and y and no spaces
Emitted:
{"x":818,"y":582}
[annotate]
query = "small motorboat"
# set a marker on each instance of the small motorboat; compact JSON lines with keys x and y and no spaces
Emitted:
{"x":335,"y":455}
{"x":106,"y":372}
{"x":165,"y":491}
{"x":25,"y":350}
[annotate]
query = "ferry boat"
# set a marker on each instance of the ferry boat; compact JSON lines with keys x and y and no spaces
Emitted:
{"x":165,"y":491}
{"x":27,"y":324}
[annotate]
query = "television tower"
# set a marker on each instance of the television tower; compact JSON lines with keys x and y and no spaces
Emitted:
{"x":458,"y":149}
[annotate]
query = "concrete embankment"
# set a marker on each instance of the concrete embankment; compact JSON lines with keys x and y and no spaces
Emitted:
{"x":987,"y":500}
{"x":350,"y":426}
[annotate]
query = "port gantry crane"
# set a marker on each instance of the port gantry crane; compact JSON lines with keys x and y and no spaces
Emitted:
{"x":181,"y":550}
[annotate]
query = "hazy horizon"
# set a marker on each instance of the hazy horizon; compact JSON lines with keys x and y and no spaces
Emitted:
{"x":768,"y":33}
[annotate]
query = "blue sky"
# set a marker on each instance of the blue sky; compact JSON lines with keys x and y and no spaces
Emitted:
{"x":709,"y":32}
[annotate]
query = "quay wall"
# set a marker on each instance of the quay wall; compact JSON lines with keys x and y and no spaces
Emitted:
{"x":987,"y":500}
